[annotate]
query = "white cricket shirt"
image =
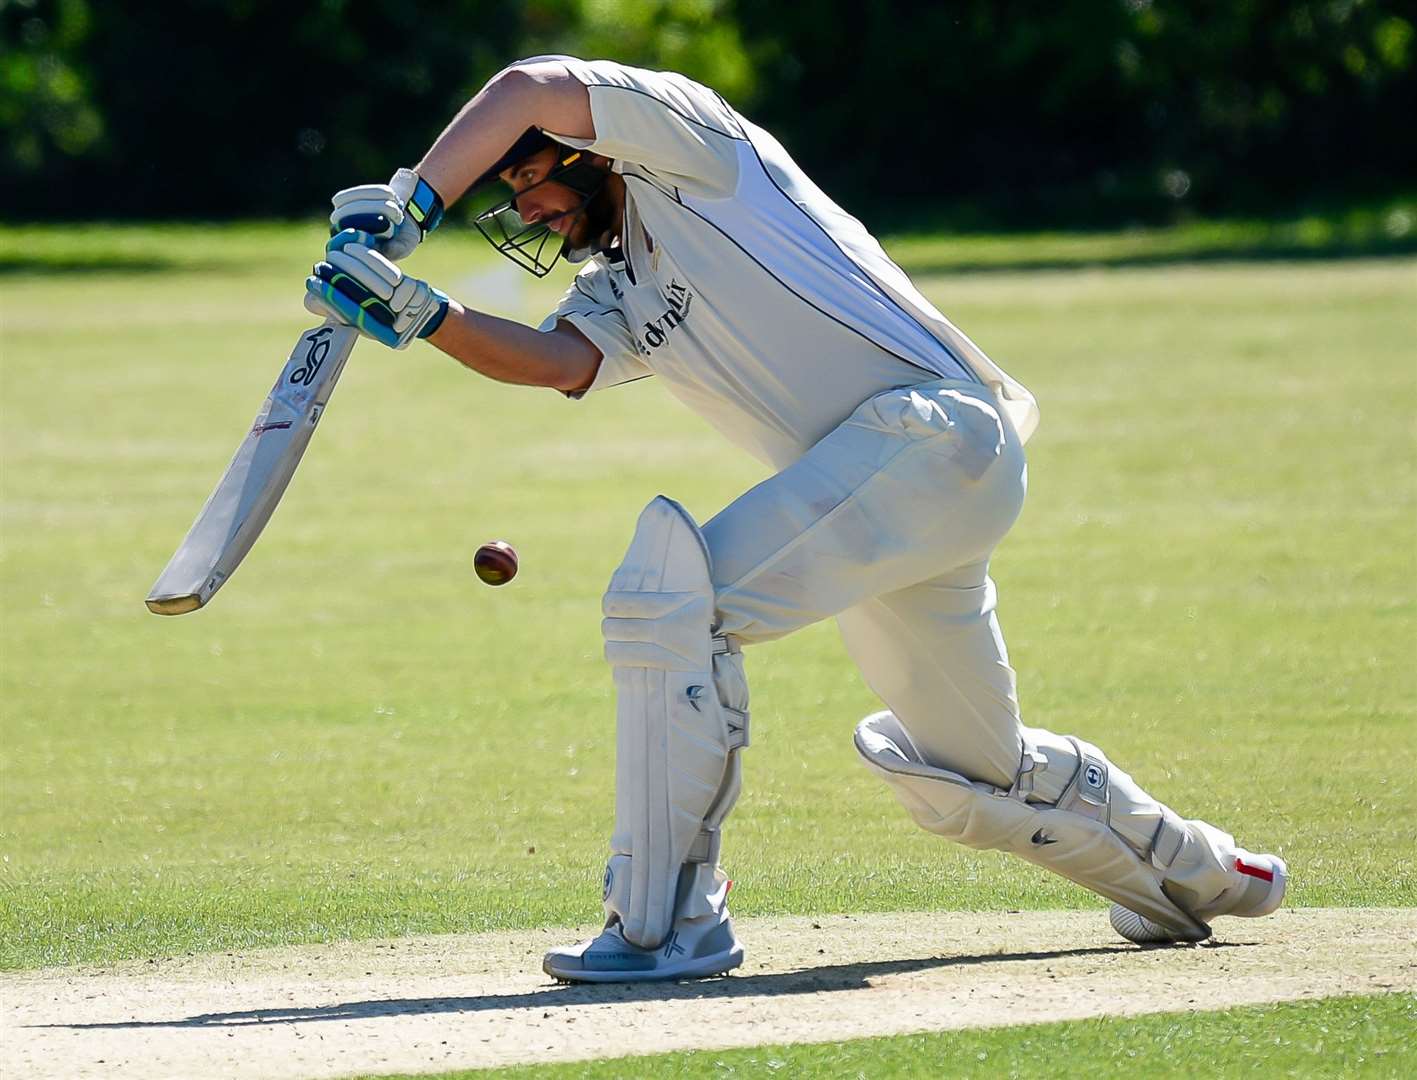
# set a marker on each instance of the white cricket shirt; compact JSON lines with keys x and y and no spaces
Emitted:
{"x":765,"y":307}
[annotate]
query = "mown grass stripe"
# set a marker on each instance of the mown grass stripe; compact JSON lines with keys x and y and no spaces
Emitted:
{"x":1369,"y":1036}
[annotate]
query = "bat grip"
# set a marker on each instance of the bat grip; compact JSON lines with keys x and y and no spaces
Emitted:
{"x":373,"y":224}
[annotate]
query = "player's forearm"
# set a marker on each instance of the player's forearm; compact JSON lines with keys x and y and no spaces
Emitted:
{"x":512,"y":353}
{"x":540,"y":95}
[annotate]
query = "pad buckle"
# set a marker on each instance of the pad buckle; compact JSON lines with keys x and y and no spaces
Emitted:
{"x":1023,"y":781}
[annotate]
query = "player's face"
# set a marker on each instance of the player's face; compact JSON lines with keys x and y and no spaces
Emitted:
{"x":543,"y":201}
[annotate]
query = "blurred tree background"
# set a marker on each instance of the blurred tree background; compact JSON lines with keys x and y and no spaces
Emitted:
{"x":986,"y":112}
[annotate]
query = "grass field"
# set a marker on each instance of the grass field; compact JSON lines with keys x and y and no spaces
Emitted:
{"x":1337,"y":1037}
{"x":1213,"y":579}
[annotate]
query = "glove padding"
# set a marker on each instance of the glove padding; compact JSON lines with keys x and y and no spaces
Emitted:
{"x":359,"y":287}
{"x":397,"y":215}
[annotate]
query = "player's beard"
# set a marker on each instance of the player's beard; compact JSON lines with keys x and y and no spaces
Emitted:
{"x":596,"y":227}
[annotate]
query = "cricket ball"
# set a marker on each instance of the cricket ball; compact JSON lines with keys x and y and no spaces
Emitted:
{"x":495,"y":563}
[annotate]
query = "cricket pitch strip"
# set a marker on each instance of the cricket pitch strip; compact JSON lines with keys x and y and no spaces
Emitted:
{"x":441,"y":1003}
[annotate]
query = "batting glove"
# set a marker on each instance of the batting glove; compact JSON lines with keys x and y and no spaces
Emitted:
{"x":361,"y":288}
{"x":398,"y":215}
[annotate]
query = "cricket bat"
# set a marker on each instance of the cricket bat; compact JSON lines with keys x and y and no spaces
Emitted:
{"x":247,"y":495}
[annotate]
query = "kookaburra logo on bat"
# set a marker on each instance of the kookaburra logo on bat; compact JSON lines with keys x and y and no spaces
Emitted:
{"x":315,"y":355}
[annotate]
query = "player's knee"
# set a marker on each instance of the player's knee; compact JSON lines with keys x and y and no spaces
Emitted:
{"x":659,"y":612}
{"x":937,"y":800}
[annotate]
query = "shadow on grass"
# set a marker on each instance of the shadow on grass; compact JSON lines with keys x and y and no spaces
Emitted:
{"x":831,"y":977}
{"x":1257,"y":253}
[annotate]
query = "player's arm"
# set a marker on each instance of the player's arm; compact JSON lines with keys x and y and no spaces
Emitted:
{"x":660,"y":120}
{"x":539,"y":94}
{"x":509,"y":352}
{"x":358,"y":286}
{"x":399,"y":214}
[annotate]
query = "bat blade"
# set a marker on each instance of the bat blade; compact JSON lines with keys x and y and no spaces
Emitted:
{"x":253,"y":483}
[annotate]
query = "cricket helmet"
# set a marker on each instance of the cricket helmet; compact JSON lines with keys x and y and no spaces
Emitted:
{"x":533,"y":245}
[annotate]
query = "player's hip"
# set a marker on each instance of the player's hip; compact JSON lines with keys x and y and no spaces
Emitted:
{"x":952,"y":425}
{"x":917,"y":481}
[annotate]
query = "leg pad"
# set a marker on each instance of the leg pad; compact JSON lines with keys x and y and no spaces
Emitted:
{"x":681,"y":717}
{"x":1072,"y":838}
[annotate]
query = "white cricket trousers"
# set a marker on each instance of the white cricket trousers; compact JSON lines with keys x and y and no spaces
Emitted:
{"x":888,"y":524}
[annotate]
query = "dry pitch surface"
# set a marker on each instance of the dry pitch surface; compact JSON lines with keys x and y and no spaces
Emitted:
{"x":440,"y":1003}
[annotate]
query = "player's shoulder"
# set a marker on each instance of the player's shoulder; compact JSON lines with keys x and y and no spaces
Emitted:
{"x":690,"y":99}
{"x":597,"y":280}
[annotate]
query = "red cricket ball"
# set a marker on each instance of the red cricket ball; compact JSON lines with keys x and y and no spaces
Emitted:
{"x":495,"y":563}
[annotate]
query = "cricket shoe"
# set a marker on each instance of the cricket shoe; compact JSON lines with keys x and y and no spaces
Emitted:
{"x":688,"y":952}
{"x":700,"y":941}
{"x":1257,"y":888}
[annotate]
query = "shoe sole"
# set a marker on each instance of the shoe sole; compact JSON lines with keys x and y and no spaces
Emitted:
{"x":699,"y":967}
{"x":1140,"y":930}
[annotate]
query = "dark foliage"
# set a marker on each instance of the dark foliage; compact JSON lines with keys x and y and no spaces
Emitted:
{"x":1093,"y":110}
{"x":994,"y":112}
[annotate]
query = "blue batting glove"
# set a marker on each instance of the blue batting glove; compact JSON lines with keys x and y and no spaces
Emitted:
{"x":360,"y":287}
{"x":397,"y":215}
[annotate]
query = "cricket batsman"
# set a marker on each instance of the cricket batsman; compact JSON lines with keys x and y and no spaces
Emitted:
{"x":709,"y":259}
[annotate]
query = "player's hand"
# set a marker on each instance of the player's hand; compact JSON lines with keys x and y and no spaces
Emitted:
{"x":398,"y":215}
{"x":361,"y":288}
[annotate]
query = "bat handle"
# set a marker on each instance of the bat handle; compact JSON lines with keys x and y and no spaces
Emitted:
{"x":373,"y":224}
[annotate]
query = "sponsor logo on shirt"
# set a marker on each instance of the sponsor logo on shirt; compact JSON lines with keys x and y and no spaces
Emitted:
{"x":654,"y":332}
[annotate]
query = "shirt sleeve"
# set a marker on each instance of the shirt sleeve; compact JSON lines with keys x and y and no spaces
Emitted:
{"x":662,"y":121}
{"x":590,"y":307}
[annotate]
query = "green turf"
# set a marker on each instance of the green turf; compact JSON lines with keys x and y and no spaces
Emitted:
{"x":1334,"y":1037}
{"x":1386,"y":227}
{"x":1213,"y":579}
